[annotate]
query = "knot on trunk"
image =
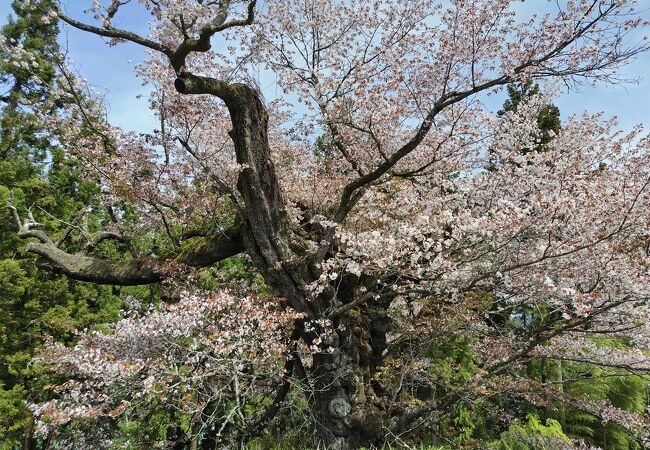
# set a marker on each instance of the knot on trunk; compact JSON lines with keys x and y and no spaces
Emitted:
{"x":180,"y":84}
{"x":339,"y":408}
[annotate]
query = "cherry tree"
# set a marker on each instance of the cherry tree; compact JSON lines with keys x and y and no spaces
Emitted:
{"x":378,"y":199}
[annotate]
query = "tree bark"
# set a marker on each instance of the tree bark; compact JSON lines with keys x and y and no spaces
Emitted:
{"x":265,"y":230}
{"x":145,"y":270}
{"x":350,"y":409}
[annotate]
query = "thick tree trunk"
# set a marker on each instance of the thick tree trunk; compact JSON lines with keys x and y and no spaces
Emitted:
{"x":266,"y":232}
{"x":342,"y":410}
{"x":349,"y":407}
{"x":347,"y":411}
{"x":346,"y":408}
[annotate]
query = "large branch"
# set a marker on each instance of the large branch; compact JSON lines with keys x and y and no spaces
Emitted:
{"x":265,"y":234}
{"x":139,"y":271}
{"x":178,"y":56}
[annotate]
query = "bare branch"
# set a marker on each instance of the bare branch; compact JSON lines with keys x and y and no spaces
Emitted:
{"x":25,"y":228}
{"x":178,"y":56}
{"x":145,"y":270}
{"x":115,"y":33}
{"x":104,"y":236}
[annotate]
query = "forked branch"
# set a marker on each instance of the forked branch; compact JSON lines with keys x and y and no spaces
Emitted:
{"x":144,"y":270}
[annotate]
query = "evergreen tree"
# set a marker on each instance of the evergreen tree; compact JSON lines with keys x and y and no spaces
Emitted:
{"x":548,"y":119}
{"x":36,"y":176}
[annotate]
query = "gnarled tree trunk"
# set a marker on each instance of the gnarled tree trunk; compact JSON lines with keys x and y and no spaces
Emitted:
{"x":346,"y":408}
{"x":350,"y":407}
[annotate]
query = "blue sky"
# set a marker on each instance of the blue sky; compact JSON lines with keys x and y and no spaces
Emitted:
{"x":112,"y":69}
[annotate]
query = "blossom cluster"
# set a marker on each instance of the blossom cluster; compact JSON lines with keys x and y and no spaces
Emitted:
{"x":181,"y":357}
